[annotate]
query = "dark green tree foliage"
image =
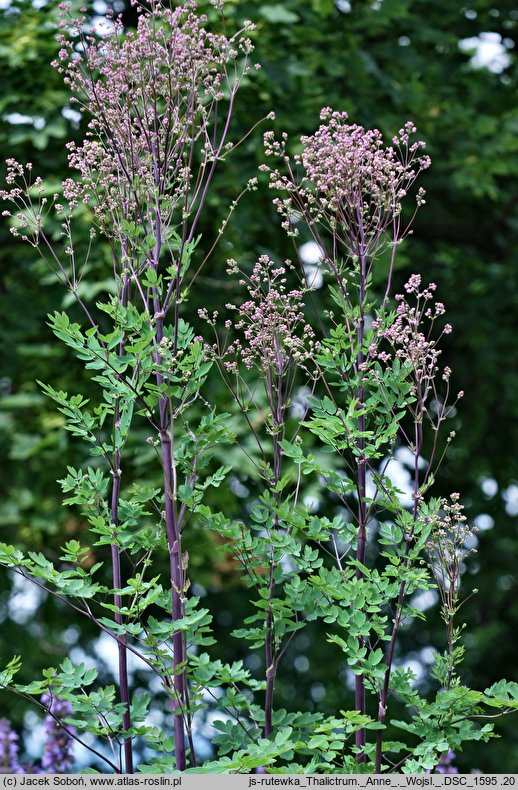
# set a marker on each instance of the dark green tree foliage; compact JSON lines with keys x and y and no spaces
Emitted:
{"x":380,"y":61}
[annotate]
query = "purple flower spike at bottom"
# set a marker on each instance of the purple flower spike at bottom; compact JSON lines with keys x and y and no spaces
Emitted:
{"x":57,"y":753}
{"x":9,"y":749}
{"x":444,"y":766}
{"x":445,"y":763}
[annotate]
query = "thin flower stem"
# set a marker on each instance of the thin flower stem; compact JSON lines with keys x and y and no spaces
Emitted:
{"x":175,"y":570}
{"x":275,"y":397}
{"x":383,"y":699}
{"x":359,"y":693}
{"x":117,"y":580}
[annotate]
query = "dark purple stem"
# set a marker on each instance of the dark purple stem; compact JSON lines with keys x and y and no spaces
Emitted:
{"x":359,"y":691}
{"x":117,"y":584}
{"x":271,"y":669}
{"x":276,"y":399}
{"x":176,"y":578}
{"x":383,"y":699}
{"x":121,"y":645}
{"x":173,"y":535}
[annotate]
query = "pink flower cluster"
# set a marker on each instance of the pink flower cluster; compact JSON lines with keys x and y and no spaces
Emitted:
{"x":352,"y":182}
{"x":28,"y":198}
{"x":274,"y":332}
{"x":407,"y":338}
{"x":151,"y":94}
{"x":449,"y":543}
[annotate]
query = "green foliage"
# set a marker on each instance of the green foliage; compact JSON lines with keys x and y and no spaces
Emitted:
{"x":356,"y":61}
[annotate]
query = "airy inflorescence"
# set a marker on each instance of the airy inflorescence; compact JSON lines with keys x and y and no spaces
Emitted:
{"x":351,"y":181}
{"x":274,"y":332}
{"x":449,"y":543}
{"x":408,"y":335}
{"x":151,"y":94}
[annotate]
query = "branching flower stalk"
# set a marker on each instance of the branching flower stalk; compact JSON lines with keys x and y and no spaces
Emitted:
{"x":116,"y":564}
{"x":160,"y":102}
{"x":29,"y":195}
{"x":451,"y":540}
{"x":410,"y":341}
{"x":274,"y":340}
{"x":350,"y":197}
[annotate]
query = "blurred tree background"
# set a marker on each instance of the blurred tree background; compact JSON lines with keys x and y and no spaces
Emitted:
{"x":450,"y":67}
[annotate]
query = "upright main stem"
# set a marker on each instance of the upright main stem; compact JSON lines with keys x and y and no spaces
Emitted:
{"x":177,"y":584}
{"x":383,"y":699}
{"x":172,"y":531}
{"x":271,"y":669}
{"x":121,"y":646}
{"x":359,"y":692}
{"x":276,"y":401}
{"x":117,"y":584}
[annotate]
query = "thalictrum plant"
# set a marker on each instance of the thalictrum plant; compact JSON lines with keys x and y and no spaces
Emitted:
{"x":159,"y":103}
